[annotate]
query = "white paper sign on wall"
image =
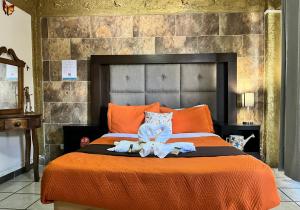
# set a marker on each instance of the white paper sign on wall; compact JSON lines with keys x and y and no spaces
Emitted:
{"x":69,"y":70}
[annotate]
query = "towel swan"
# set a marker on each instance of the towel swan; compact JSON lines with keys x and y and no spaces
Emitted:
{"x":145,"y":146}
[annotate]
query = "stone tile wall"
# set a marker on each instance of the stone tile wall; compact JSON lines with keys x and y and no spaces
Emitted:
{"x":79,"y":37}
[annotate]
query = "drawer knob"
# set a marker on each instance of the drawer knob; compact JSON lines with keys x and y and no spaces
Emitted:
{"x":17,"y":124}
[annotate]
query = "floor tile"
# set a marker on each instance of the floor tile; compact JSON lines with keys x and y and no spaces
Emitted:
{"x":34,"y":187}
{"x":283,"y":177}
{"x":294,"y":194}
{"x":4,"y":195}
{"x":287,"y":183}
{"x":287,"y":206}
{"x":19,"y":201}
{"x":39,"y":206}
{"x":278,"y":174}
{"x":283,"y":196}
{"x":26,"y":177}
{"x":12,"y":186}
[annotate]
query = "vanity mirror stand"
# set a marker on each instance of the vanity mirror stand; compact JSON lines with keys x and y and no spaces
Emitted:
{"x":12,"y":116}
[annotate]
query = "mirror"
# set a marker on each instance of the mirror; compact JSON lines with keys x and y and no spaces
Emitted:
{"x":11,"y":82}
{"x":8,"y":86}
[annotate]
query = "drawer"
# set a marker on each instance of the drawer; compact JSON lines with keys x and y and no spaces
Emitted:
{"x":2,"y":127}
{"x":16,"y":123}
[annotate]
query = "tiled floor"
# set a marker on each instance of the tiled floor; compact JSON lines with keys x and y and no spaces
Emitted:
{"x":22,"y":193}
{"x":289,"y":191}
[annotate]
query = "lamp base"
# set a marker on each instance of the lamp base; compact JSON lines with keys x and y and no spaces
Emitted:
{"x":247,"y":123}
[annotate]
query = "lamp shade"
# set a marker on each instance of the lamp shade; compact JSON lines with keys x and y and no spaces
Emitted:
{"x":248,"y":99}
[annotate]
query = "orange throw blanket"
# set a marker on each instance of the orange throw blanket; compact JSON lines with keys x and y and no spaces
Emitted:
{"x":114,"y":182}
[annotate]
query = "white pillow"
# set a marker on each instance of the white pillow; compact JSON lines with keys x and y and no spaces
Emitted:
{"x":159,"y":119}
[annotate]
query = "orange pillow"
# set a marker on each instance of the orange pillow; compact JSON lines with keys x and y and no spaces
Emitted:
{"x":128,"y":119}
{"x":191,"y":120}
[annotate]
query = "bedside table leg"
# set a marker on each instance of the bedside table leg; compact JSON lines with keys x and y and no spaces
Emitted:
{"x":35,"y":155}
{"x":27,"y":149}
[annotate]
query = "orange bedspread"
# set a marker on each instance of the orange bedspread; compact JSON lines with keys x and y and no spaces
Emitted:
{"x":113,"y":182}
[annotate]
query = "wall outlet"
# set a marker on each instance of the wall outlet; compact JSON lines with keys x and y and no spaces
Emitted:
{"x":62,"y":147}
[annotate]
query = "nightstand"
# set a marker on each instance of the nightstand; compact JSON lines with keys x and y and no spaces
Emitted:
{"x":74,"y":133}
{"x":253,"y":145}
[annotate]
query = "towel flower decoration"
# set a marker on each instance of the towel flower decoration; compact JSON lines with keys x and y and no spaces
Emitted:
{"x":153,"y":142}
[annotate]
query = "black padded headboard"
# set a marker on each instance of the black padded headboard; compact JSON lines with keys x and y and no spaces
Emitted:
{"x":177,"y":81}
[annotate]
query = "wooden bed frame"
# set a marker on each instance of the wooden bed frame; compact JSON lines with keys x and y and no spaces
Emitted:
{"x":100,"y":88}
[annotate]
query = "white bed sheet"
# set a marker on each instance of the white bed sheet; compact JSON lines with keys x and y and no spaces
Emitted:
{"x":174,"y":136}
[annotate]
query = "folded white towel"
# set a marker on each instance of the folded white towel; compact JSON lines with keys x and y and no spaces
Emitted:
{"x":162,"y":150}
{"x":126,"y":146}
{"x":158,"y":147}
{"x":160,"y":133}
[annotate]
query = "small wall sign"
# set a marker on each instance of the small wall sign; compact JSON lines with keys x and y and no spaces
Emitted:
{"x":69,"y":70}
{"x":11,"y":73}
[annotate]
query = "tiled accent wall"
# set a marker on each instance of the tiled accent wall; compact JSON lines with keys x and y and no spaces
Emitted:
{"x":79,"y":37}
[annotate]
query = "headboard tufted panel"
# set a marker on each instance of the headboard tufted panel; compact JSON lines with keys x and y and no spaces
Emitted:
{"x":176,"y":81}
{"x":199,"y":77}
{"x":127,"y":78}
{"x":162,"y":78}
{"x":169,"y":99}
{"x":174,"y":85}
{"x":128,"y":98}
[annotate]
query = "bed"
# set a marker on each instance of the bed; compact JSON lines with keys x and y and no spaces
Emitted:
{"x":93,"y":181}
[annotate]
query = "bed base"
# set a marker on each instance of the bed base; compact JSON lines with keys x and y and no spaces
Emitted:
{"x":59,"y":205}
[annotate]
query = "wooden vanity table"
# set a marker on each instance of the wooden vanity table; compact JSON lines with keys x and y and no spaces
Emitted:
{"x":12,"y":116}
{"x":28,"y":123}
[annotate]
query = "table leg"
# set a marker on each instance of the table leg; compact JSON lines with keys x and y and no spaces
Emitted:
{"x":35,"y":155}
{"x":27,"y":149}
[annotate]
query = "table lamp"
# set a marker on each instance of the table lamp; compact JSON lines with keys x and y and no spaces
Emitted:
{"x":248,"y":102}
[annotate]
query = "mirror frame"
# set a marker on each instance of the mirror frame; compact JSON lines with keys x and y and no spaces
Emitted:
{"x":15,"y":61}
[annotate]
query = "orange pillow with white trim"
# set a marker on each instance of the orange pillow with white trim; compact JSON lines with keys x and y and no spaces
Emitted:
{"x":128,"y":119}
{"x":191,"y":120}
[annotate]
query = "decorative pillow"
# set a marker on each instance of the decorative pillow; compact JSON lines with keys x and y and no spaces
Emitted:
{"x":159,"y":119}
{"x":128,"y":119}
{"x":193,"y":106}
{"x":191,"y":120}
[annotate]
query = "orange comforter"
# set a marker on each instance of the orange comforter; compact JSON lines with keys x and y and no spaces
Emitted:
{"x":114,"y":182}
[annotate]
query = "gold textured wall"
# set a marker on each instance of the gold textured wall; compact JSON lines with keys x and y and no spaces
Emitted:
{"x":28,"y":6}
{"x":31,"y":6}
{"x":272,"y":85}
{"x":246,"y":41}
{"x":80,"y":37}
{"x":273,"y":4}
{"x":137,"y":7}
